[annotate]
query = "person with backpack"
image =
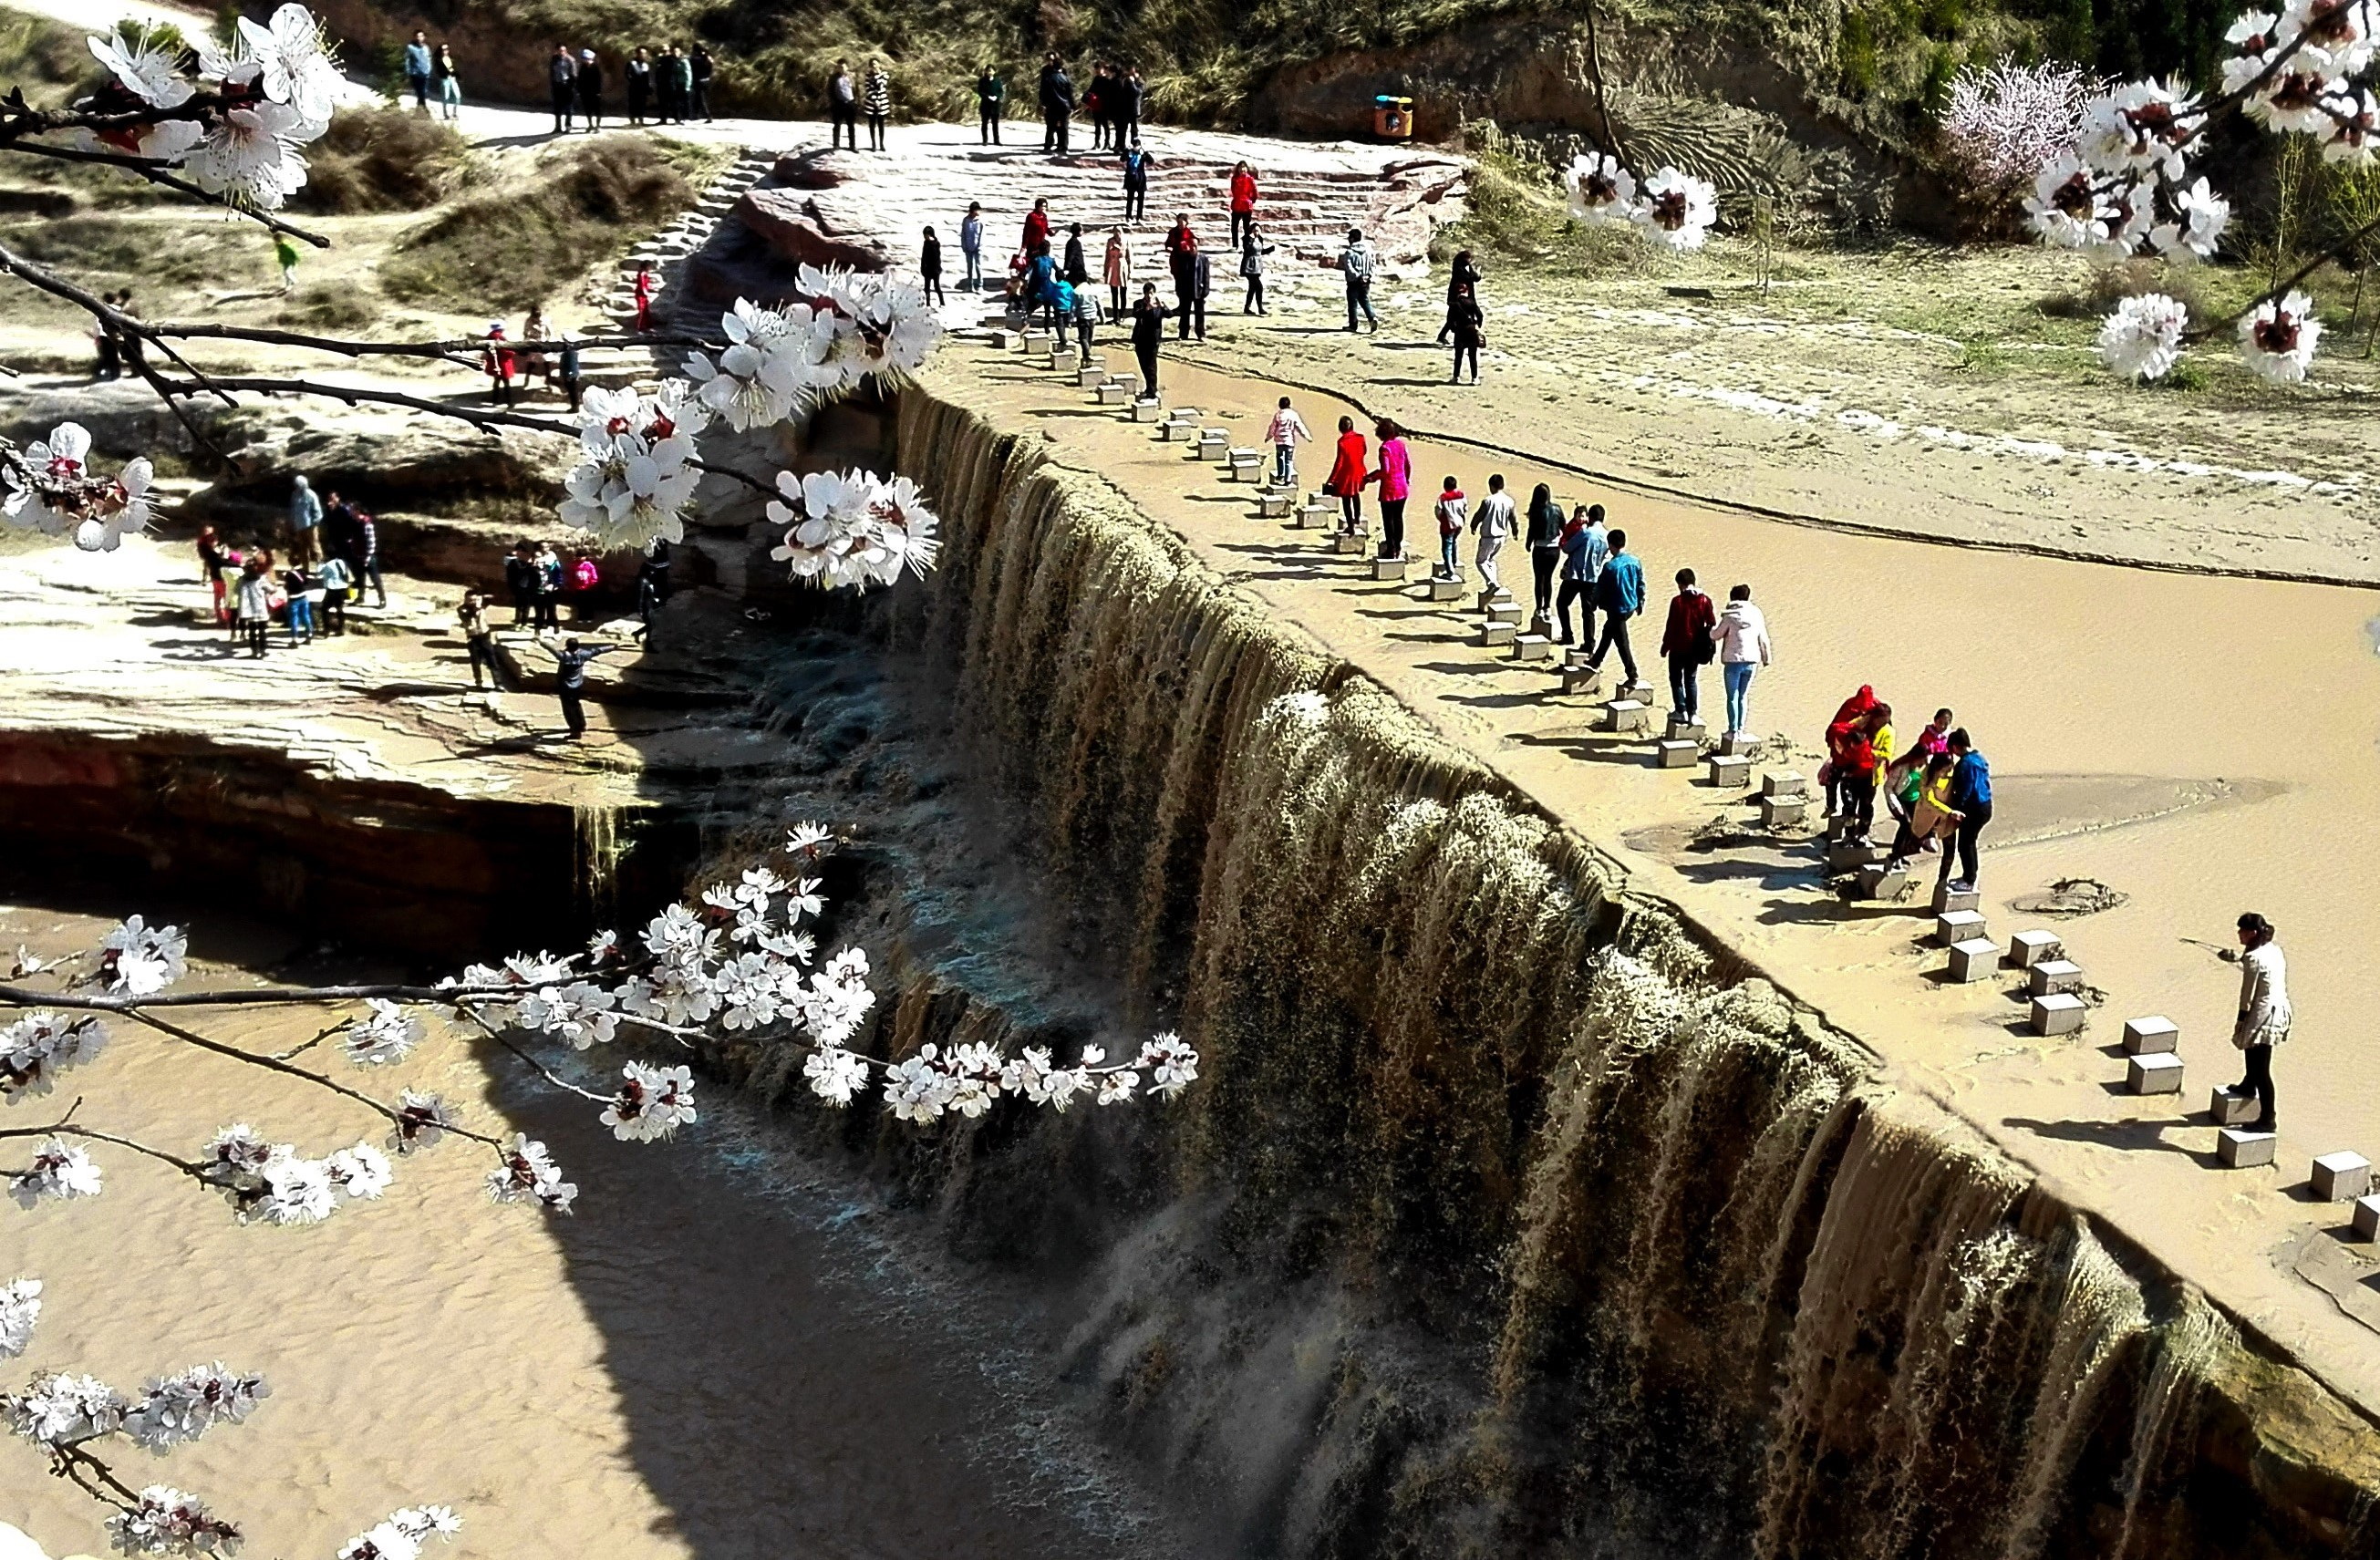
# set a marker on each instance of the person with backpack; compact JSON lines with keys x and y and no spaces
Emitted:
{"x":1136,"y":165}
{"x":1357,"y":263}
{"x":1584,"y":549}
{"x":1690,"y":642}
{"x":1147,"y":336}
{"x":991,"y":103}
{"x":1619,"y":596}
{"x":1453,"y":514}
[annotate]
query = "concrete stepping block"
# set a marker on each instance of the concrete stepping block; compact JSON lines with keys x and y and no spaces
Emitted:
{"x":1777,"y":811}
{"x":1579,"y":680}
{"x":1273,"y":506}
{"x":1737,"y":744}
{"x":1147,"y":411}
{"x":2061,"y":1014}
{"x":1532,"y":647}
{"x":2240,"y":1149}
{"x":1882,"y":882}
{"x":2341,"y":1178}
{"x":1504,"y":612}
{"x":2150,"y":1037}
{"x":1036,"y":341}
{"x":1043,"y":359}
{"x":1676,"y":753}
{"x":1973,"y":960}
{"x":1444,"y":590}
{"x":1113,"y":394}
{"x":1350,"y":542}
{"x":1313,"y":517}
{"x":1577,"y":655}
{"x":1946,"y":897}
{"x":1178,"y":429}
{"x":1492,"y":635}
{"x":2159,"y":1074}
{"x":1626,"y":714}
{"x":1492,"y":596}
{"x":1089,"y":376}
{"x":2028,"y":949}
{"x":1243,"y":464}
{"x":1958,"y":926}
{"x":2366,"y":1218}
{"x":1641,"y":692}
{"x":1388,"y":568}
{"x":1210,"y":444}
{"x":1782,"y":783}
{"x":1001,"y":341}
{"x":1095,"y":363}
{"x":1687,"y":730}
{"x":1852,"y":855}
{"x":1729,"y":772}
{"x":2053,"y":976}
{"x":2227,"y":1110}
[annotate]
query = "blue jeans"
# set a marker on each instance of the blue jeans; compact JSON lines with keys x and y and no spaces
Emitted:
{"x":974,"y":269}
{"x":1685,"y":694}
{"x":1446,"y":540}
{"x":1284,"y":464}
{"x":301,"y":618}
{"x":1738,"y":675}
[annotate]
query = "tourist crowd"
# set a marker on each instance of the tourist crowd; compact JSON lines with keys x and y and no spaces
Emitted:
{"x":670,"y":84}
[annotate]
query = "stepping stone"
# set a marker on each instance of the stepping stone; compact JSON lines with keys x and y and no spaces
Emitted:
{"x":1641,"y":692}
{"x":1626,"y":714}
{"x":1577,"y":655}
{"x":1313,"y":517}
{"x":2227,"y":1110}
{"x":2366,"y":1218}
{"x":1243,"y":464}
{"x":1973,"y":960}
{"x":1178,"y":427}
{"x":1147,"y":411}
{"x":1273,"y":506}
{"x":1687,"y":730}
{"x":1090,"y":375}
{"x":2240,"y":1149}
{"x":1210,"y":445}
{"x":2150,"y":1037}
{"x":1883,"y":882}
{"x":2052,"y":975}
{"x":1505,"y":612}
{"x":1113,"y":394}
{"x":1946,"y":897}
{"x":1777,"y":811}
{"x":1578,"y":680}
{"x":1849,"y":856}
{"x":1003,"y":340}
{"x":1444,"y":590}
{"x":1492,"y":595}
{"x":1958,"y":926}
{"x":1350,"y":541}
{"x":1782,"y":783}
{"x":1494,"y":633}
{"x":2159,"y":1074}
{"x":2341,"y":1178}
{"x":1736,"y":743}
{"x":1532,"y":647}
{"x":2061,"y":1014}
{"x":1676,"y":753}
{"x":1036,"y":341}
{"x":1387,"y":568}
{"x":2028,"y":949}
{"x":1727,"y":772}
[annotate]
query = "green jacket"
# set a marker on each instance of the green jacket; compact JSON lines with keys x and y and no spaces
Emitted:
{"x":990,"y":92}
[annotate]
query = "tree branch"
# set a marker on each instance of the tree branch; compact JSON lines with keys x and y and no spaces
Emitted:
{"x":255,"y":996}
{"x":150,"y":169}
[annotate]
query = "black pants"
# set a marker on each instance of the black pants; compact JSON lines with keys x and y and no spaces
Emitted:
{"x":251,"y":634}
{"x":369,"y":570}
{"x":1351,"y":512}
{"x":842,"y":122}
{"x":590,"y":112}
{"x":1117,"y":309}
{"x":483,"y":655}
{"x":636,"y":103}
{"x":565,"y":98}
{"x":420,"y":91}
{"x":988,"y":125}
{"x":1615,"y":632}
{"x":1543,"y":561}
{"x":876,"y":123}
{"x":1254,"y":302}
{"x":2258,"y":1081}
{"x":1193,"y":304}
{"x":1859,"y":801}
{"x":1136,"y":201}
{"x":1463,"y":350}
{"x":1242,"y":222}
{"x":930,"y":283}
{"x":1083,"y":329}
{"x":548,"y":611}
{"x":1970,"y":826}
{"x":523,"y":606}
{"x":1393,"y":527}
{"x":1581,"y":592}
{"x":335,"y":613}
{"x":701,"y":107}
{"x":574,"y":713}
{"x":1148,"y":355}
{"x":1055,"y":128}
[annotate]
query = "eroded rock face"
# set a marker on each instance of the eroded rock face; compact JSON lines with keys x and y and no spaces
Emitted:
{"x":794,"y":229}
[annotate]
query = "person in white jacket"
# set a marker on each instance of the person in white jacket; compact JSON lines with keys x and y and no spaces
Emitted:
{"x":1743,"y":649}
{"x":1286,"y":430}
{"x":2265,"y":1015}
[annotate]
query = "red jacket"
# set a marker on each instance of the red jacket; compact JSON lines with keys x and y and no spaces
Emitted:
{"x":1690,"y":612}
{"x":1037,"y":229}
{"x":1347,"y":471}
{"x":1243,"y":192}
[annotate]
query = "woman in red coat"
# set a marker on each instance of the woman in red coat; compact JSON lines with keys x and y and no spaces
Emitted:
{"x":1243,"y":202}
{"x":1346,"y":479}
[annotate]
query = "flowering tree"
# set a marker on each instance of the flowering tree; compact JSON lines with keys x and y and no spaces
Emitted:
{"x":1608,"y":189}
{"x":228,"y":126}
{"x":2003,"y":124}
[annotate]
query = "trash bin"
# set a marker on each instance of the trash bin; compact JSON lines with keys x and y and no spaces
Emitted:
{"x":1393,"y":118}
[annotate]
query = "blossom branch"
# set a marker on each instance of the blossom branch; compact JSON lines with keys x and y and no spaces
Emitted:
{"x":155,"y":172}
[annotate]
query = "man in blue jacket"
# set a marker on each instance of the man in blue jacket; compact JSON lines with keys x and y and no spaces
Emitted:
{"x":1971,"y":799}
{"x":417,"y":69}
{"x":1619,"y":594}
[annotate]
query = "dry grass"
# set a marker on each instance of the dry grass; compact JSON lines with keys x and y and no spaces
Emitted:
{"x":383,"y":160}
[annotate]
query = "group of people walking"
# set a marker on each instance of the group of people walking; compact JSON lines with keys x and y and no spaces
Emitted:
{"x":670,"y":87}
{"x":1937,"y":788}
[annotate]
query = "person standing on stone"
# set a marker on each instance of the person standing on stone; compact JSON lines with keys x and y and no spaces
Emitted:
{"x":1115,"y":270}
{"x":450,"y":85}
{"x":841,"y":107}
{"x":991,"y":103}
{"x":1464,"y":318}
{"x":417,"y":69}
{"x":1544,"y":540}
{"x":570,"y":680}
{"x":520,"y":579}
{"x":480,"y":641}
{"x":1494,"y":524}
{"x":1357,"y":263}
{"x":1086,"y":318}
{"x":1584,"y":549}
{"x":929,"y":269}
{"x":698,"y":68}
{"x":1181,"y":261}
{"x":971,"y":247}
{"x":1057,"y":105}
{"x":1689,"y":641}
{"x":338,"y":581}
{"x":252,"y":602}
{"x":1252,"y":250}
{"x":1077,"y":266}
{"x":878,"y":97}
{"x":1394,"y":474}
{"x":1285,"y":432}
{"x":677,"y":91}
{"x":591,"y":91}
{"x":562,"y":76}
{"x":1129,"y":102}
{"x":304,"y":522}
{"x":1147,"y":335}
{"x":1971,"y":798}
{"x":1619,"y":596}
{"x":1453,"y":514}
{"x":638,"y":74}
{"x":2265,"y":1015}
{"x":1136,"y":165}
{"x":1345,"y":482}
{"x":1743,"y":649}
{"x":1243,"y":202}
{"x":646,"y":286}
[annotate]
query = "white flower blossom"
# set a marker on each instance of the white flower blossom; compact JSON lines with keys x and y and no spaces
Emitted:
{"x":835,"y":1074}
{"x":529,"y":1175}
{"x":2338,"y":33}
{"x":1601,"y":190}
{"x":678,"y":932}
{"x":1677,"y":209}
{"x":579,"y":1013}
{"x":179,"y":1409}
{"x":1172,"y":1064}
{"x":297,"y":1189}
{"x":384,"y":1036}
{"x":59,"y":1169}
{"x":677,"y":993}
{"x":1116,"y":1087}
{"x":2252,"y":38}
{"x":362,"y":1171}
{"x":422,"y":1119}
{"x":139,"y":959}
{"x":2005,"y":122}
{"x":2199,"y":221}
{"x":237,"y":1149}
{"x":2142,"y":128}
{"x":293,"y":66}
{"x":20,"y":1308}
{"x":2277,"y":338}
{"x":753,"y":989}
{"x":166,"y":1521}
{"x":146,"y":69}
{"x":2141,"y":338}
{"x":853,"y":528}
{"x":771,"y":365}
{"x":37,"y":1048}
{"x":809,"y":840}
{"x":249,"y":154}
{"x":652,"y":1104}
{"x":603,"y":948}
{"x":57,"y":1409}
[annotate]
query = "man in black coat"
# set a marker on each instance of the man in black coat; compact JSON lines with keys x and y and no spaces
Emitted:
{"x":1057,"y":105}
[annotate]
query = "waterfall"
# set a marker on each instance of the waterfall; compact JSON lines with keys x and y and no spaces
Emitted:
{"x":1504,"y":1218}
{"x":596,"y":849}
